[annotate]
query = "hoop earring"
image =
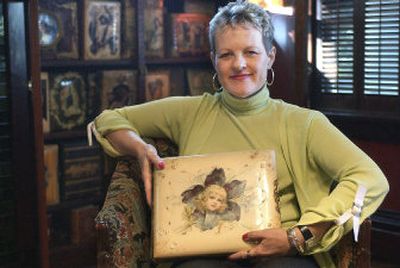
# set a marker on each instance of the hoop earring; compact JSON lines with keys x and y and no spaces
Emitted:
{"x":269,"y":83}
{"x":215,"y":83}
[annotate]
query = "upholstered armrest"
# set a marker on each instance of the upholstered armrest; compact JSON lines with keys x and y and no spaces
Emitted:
{"x":349,"y":253}
{"x":122,"y":223}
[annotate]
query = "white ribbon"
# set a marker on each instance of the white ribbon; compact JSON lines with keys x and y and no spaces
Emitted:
{"x":355,"y":211}
{"x":90,"y":129}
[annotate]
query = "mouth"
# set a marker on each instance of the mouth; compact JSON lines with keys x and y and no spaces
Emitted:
{"x":240,"y":76}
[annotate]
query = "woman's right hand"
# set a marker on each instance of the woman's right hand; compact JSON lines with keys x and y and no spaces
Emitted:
{"x":128,"y":142}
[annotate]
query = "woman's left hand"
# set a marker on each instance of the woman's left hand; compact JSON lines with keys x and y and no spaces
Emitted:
{"x":268,"y":242}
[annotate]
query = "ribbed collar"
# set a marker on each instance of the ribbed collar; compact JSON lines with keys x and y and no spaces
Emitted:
{"x":252,"y":104}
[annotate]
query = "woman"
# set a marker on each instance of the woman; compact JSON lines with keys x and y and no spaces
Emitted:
{"x":311,"y":153}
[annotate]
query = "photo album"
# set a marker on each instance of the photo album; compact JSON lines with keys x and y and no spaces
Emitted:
{"x":203,"y":204}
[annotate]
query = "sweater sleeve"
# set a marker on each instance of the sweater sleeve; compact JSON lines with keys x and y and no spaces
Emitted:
{"x":335,"y":157}
{"x":161,"y":119}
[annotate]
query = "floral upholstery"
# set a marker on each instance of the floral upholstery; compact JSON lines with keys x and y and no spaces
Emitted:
{"x":122,"y":225}
{"x":123,"y":222}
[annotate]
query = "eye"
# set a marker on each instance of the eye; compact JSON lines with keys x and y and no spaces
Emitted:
{"x":224,"y":55}
{"x":251,"y":52}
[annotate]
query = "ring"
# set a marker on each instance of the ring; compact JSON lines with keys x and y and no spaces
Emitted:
{"x":246,"y":254}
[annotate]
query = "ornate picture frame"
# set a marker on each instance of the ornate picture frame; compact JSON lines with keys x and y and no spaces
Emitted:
{"x":50,"y":29}
{"x":58,"y":29}
{"x":157,"y":85}
{"x":118,"y":88}
{"x":68,"y":101}
{"x":188,"y":35}
{"x":102,"y":30}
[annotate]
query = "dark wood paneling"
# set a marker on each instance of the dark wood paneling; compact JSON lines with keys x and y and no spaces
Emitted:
{"x":386,"y":155}
{"x":36,"y":101}
{"x":24,"y":160}
{"x":284,"y":66}
{"x":385,"y":238}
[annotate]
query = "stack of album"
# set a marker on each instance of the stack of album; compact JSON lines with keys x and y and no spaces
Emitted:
{"x":203,"y":204}
{"x":81,"y":171}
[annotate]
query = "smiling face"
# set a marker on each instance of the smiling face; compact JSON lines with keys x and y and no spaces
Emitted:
{"x":241,"y":60}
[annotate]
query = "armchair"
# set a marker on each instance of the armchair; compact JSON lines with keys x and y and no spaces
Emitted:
{"x":123,"y":230}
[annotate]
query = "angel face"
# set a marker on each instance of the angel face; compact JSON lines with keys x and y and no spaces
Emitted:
{"x":215,"y":198}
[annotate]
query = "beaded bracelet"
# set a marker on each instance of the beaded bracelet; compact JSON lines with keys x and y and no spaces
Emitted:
{"x":294,"y":241}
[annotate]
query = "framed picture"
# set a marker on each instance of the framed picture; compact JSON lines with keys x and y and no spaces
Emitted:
{"x":118,"y":89}
{"x":44,"y":88}
{"x":102,"y":30}
{"x":157,"y":85}
{"x":189,"y":35}
{"x":199,"y":81}
{"x":50,"y":29}
{"x":199,"y":6}
{"x":67,"y":101}
{"x":203,"y":204}
{"x":154,"y":4}
{"x":58,"y":29}
{"x":154,"y":32}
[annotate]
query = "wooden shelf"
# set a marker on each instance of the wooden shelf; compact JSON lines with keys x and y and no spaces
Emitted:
{"x":189,"y":60}
{"x":88,"y":64}
{"x":62,"y":135}
{"x":64,"y":205}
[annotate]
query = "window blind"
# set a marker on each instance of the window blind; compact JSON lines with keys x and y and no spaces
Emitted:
{"x":382,"y":28}
{"x":7,"y":188}
{"x":335,"y":58}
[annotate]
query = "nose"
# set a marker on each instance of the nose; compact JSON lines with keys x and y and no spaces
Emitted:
{"x":240,"y":62}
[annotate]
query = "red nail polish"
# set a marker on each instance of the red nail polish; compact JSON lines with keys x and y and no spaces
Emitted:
{"x":245,"y":237}
{"x":161,"y":165}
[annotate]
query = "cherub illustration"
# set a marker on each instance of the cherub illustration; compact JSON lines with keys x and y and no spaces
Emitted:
{"x":211,"y":204}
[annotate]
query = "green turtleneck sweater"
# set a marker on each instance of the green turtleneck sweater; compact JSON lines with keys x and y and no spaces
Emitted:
{"x":310,"y":152}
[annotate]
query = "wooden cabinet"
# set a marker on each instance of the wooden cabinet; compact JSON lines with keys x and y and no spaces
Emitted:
{"x":62,"y":252}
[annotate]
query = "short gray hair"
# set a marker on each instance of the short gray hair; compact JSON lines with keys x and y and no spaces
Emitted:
{"x":242,"y":12}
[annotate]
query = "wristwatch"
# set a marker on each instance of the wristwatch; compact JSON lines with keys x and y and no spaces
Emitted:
{"x":309,"y":238}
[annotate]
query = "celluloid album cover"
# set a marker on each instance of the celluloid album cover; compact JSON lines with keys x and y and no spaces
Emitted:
{"x":102,"y":30}
{"x":203,"y":204}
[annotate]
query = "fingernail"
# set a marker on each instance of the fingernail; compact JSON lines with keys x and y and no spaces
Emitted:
{"x":161,"y":165}
{"x":245,"y":237}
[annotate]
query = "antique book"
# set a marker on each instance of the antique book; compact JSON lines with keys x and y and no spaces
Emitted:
{"x":118,"y":88}
{"x":154,"y":32}
{"x":199,"y":6}
{"x":102,"y":30}
{"x":157,"y":85}
{"x":200,"y":80}
{"x":80,"y":170}
{"x":58,"y":29}
{"x":203,"y":204}
{"x":68,"y":101}
{"x":128,"y":29}
{"x":82,"y":225}
{"x":44,"y":89}
{"x":188,"y":35}
{"x":51,"y":174}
